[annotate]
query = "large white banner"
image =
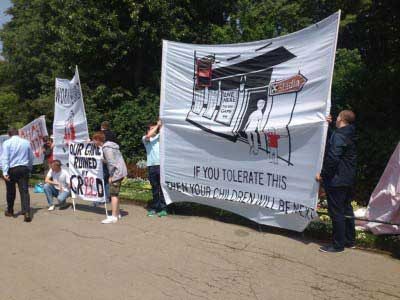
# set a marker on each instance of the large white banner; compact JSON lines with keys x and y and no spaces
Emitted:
{"x":70,"y":124}
{"x":34,"y":132}
{"x":245,"y":124}
{"x":86,"y":170}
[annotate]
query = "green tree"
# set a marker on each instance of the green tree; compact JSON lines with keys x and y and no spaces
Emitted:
{"x":131,"y":119}
{"x":256,"y":20}
{"x":10,"y":113}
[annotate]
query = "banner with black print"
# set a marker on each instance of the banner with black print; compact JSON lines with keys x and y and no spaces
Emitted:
{"x":245,"y":124}
{"x":86,"y":171}
{"x":70,"y":125}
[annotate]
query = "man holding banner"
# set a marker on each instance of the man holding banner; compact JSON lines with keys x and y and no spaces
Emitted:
{"x":151,"y":142}
{"x":338,"y":174}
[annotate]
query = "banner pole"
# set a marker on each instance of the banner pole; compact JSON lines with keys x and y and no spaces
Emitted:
{"x":73,"y":202}
{"x":83,"y":102}
{"x":364,"y":219}
{"x":105,"y":207}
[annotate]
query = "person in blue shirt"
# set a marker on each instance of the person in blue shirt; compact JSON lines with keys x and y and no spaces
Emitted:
{"x":17,"y":160}
{"x":151,"y":142}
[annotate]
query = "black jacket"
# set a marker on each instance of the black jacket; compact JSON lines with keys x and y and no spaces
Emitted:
{"x":339,"y":168}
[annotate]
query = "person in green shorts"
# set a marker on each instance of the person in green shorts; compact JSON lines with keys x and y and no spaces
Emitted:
{"x":117,"y":172}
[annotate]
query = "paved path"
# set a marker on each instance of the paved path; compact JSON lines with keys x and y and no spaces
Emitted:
{"x":67,"y":255}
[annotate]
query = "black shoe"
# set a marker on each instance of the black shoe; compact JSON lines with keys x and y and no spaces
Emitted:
{"x":27,"y":217}
{"x":9,"y":213}
{"x":350,"y":245}
{"x":330,"y":249}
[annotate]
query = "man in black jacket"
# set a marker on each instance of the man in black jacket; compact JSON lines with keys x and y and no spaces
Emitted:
{"x":338,"y":175}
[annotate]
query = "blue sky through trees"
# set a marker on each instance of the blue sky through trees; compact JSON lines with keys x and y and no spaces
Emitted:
{"x":4,"y":4}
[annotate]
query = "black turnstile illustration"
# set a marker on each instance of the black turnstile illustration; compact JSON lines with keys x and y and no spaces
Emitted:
{"x":235,"y":101}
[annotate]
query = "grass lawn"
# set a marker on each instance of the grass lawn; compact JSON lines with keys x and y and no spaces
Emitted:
{"x":136,"y":190}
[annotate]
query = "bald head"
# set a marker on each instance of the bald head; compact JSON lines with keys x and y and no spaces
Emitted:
{"x":345,"y":118}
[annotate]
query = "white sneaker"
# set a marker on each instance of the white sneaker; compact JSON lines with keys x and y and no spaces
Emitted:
{"x":119,"y":217}
{"x":52,"y":207}
{"x":110,"y":220}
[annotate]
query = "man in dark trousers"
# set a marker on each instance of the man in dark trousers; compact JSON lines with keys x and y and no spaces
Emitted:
{"x":151,"y":141}
{"x":17,"y":160}
{"x":338,"y":175}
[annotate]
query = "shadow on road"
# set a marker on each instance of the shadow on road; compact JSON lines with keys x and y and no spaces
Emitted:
{"x":187,"y":209}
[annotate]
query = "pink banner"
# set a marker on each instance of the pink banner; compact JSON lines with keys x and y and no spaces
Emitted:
{"x":384,"y":204}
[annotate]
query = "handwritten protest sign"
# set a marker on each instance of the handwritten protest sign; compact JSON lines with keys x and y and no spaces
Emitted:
{"x":34,"y":132}
{"x":86,"y":169}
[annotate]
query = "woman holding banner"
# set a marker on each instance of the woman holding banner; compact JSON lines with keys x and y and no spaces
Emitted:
{"x":117,"y":169}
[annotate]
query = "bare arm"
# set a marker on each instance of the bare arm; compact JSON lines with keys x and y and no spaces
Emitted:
{"x":152,"y":132}
{"x":49,"y":181}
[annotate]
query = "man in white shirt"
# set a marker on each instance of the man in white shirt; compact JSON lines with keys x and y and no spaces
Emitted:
{"x":57,"y":185}
{"x":16,"y":161}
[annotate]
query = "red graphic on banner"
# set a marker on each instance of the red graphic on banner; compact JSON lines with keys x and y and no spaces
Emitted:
{"x":34,"y":134}
{"x":69,"y":133}
{"x":273,"y":139}
{"x":69,"y":130}
{"x":290,"y":85}
{"x":204,"y":71}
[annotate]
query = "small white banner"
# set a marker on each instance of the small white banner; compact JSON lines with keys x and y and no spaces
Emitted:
{"x":70,"y":124}
{"x":34,"y":132}
{"x":86,"y":170}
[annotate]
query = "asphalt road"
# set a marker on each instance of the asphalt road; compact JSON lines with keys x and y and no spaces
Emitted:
{"x":70,"y":255}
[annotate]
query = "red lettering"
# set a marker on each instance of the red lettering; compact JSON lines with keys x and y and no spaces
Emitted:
{"x":89,"y":183}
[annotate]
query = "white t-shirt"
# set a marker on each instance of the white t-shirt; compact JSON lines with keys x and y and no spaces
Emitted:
{"x":61,"y":177}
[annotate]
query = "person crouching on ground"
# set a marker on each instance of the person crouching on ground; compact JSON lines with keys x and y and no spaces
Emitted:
{"x":117,"y":171}
{"x":338,"y":176}
{"x":57,"y":185}
{"x":151,"y":143}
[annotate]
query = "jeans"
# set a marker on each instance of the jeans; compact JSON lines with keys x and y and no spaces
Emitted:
{"x":158,"y":202}
{"x":51,"y":192}
{"x":19,"y":175}
{"x":339,"y":206}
